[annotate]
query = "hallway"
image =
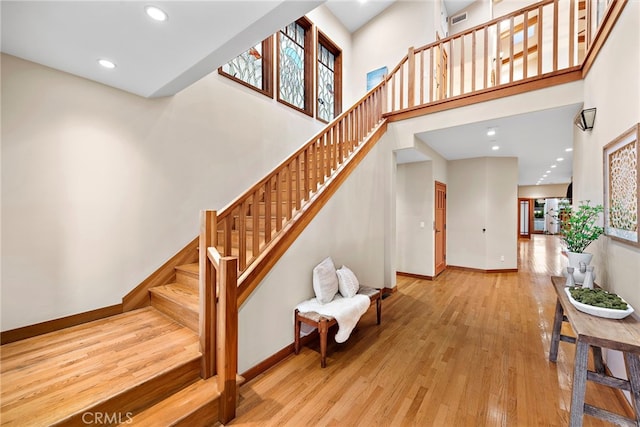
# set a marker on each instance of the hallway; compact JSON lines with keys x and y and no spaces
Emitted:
{"x":468,"y":348}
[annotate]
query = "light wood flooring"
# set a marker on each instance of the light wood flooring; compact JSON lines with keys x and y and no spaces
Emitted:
{"x":467,"y":349}
{"x":113,"y":365}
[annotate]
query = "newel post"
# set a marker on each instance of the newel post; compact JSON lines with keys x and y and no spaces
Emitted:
{"x":207,"y":291}
{"x":227,"y":357}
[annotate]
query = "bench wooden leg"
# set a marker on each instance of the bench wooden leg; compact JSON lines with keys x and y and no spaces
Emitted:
{"x":296,"y":321}
{"x":379,"y":307}
{"x":323,"y":331}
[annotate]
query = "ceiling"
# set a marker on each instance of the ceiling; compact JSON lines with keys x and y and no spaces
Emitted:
{"x":537,"y":139}
{"x":153,"y":58}
{"x":156,"y":59}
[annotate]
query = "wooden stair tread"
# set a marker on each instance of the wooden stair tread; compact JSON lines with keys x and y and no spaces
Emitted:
{"x":58,"y":376}
{"x":179,"y":293}
{"x":189,"y":268}
{"x":180,"y":405}
{"x":193,"y":405}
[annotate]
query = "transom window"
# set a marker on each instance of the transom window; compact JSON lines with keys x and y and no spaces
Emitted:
{"x":253,"y":67}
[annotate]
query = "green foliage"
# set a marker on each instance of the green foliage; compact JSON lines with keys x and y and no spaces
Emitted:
{"x":578,"y":226}
{"x":598,"y":298}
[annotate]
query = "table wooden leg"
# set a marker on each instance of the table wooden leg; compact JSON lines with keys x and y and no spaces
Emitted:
{"x":579,"y":383}
{"x":555,"y":336}
{"x":632,"y":362}
{"x":597,"y":359}
{"x":379,"y":307}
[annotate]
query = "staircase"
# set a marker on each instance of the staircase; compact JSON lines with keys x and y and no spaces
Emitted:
{"x":141,"y":367}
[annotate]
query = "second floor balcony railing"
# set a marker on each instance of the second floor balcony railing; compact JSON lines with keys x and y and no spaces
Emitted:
{"x":551,"y":36}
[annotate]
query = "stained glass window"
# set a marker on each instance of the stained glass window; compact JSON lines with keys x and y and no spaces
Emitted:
{"x":326,"y":83}
{"x":252,"y":67}
{"x":292,"y":70}
{"x":247,"y":66}
{"x":329,"y":82}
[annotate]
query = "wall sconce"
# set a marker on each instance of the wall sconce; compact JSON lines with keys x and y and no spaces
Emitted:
{"x":585,"y":119}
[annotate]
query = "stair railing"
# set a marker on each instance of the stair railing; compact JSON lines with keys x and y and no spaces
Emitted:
{"x":248,"y":225}
{"x":546,"y":37}
{"x":218,"y":316}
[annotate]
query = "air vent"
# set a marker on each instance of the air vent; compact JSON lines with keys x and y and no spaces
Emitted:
{"x":458,"y":18}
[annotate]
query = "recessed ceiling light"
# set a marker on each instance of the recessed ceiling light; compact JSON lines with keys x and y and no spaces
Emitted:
{"x":106,"y":63}
{"x":548,"y":172}
{"x":568,"y":149}
{"x":559,"y":159}
{"x":155,"y":13}
{"x":491,"y":132}
{"x":553,"y":166}
{"x":495,"y":147}
{"x":544,"y":176}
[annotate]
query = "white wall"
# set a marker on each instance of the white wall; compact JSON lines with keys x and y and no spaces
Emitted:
{"x":478,"y":13}
{"x":414,"y":218}
{"x":326,"y":22}
{"x":612,"y":86}
{"x":482,"y":213}
{"x":542,"y":191}
{"x":385,"y":40}
{"x":466,"y":207}
{"x":618,"y":265}
{"x":101,"y":187}
{"x":350,"y":229}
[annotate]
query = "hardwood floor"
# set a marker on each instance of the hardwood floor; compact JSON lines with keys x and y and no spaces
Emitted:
{"x":467,"y":349}
{"x":112,"y":366}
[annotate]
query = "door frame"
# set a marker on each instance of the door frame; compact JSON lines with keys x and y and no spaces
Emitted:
{"x":439,"y":267}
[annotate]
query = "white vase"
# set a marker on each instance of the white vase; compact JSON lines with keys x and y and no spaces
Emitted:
{"x":575,"y":259}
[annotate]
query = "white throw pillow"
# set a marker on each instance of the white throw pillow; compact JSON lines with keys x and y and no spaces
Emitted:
{"x":347,"y":282}
{"x":325,"y":281}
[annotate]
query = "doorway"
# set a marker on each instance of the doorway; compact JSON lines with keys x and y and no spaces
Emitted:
{"x":440,"y":227}
{"x":525,"y":218}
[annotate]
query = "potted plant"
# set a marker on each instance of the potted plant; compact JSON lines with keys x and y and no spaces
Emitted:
{"x":578,"y":228}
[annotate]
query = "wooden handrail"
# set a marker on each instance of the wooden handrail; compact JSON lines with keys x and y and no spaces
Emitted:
{"x":290,"y":186}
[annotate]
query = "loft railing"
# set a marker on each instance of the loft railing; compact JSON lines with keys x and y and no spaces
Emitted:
{"x":544,"y":38}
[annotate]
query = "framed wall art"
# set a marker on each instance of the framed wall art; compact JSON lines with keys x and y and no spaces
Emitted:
{"x":621,"y":187}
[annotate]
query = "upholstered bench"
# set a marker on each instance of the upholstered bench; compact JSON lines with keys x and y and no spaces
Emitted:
{"x":323,"y":323}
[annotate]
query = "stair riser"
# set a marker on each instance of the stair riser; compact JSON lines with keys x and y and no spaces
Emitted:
{"x":260,"y":209}
{"x":121,"y":407}
{"x":187,"y":278}
{"x":249,"y":223}
{"x":179,"y":313}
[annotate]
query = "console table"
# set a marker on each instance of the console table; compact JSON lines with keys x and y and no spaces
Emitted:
{"x":596,"y":332}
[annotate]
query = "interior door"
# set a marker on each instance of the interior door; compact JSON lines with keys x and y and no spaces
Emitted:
{"x":440,"y":228}
{"x":525,"y":216}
